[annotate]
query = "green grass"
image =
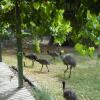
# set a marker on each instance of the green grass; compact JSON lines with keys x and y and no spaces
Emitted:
{"x":42,"y":94}
{"x":85,"y":79}
{"x":86,"y":83}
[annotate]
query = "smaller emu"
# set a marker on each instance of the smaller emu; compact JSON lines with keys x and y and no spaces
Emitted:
{"x":31,"y":56}
{"x":68,"y":59}
{"x":43,"y":62}
{"x":68,"y":94}
{"x":53,"y":54}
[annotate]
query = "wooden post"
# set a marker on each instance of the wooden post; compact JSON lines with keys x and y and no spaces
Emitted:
{"x":19,"y":44}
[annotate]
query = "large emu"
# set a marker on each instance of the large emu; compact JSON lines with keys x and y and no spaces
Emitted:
{"x":31,"y":56}
{"x":68,"y":94}
{"x":43,"y":62}
{"x":69,"y":61}
{"x":53,"y":54}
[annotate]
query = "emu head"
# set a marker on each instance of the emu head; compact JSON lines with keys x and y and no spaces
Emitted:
{"x":61,"y":52}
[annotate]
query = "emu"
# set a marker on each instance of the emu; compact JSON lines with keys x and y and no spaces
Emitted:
{"x":68,"y":94}
{"x":31,"y":56}
{"x":43,"y":62}
{"x":69,"y":61}
{"x":53,"y":54}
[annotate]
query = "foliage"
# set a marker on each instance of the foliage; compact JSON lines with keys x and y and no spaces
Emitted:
{"x":42,"y":94}
{"x":49,"y":20}
{"x":46,"y":17}
{"x":4,"y":31}
{"x":6,"y":5}
{"x":93,"y":27}
{"x":36,"y":46}
{"x":89,"y":34}
{"x":59,"y":27}
{"x":84,"y":50}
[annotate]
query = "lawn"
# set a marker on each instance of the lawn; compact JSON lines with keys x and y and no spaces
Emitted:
{"x":85,"y":79}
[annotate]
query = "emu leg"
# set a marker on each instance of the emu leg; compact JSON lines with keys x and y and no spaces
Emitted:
{"x":41,"y":68}
{"x":54,"y":59}
{"x":66,"y":69}
{"x":47,"y":68}
{"x":70,"y":71}
{"x":24,"y":64}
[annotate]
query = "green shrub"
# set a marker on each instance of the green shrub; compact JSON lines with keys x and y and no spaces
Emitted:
{"x":42,"y":94}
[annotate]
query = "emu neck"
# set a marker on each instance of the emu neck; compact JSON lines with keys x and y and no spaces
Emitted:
{"x":63,"y":85}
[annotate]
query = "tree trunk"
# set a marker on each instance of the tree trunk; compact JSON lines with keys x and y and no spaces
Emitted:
{"x":0,"y":50}
{"x":19,"y":45}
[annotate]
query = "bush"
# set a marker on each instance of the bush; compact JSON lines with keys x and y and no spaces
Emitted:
{"x":42,"y":94}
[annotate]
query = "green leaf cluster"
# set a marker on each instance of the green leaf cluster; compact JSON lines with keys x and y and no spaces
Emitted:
{"x":89,"y":33}
{"x":51,"y":21}
{"x":6,"y":5}
{"x":59,"y":27}
{"x":4,"y":31}
{"x":84,"y":50}
{"x":36,"y":46}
